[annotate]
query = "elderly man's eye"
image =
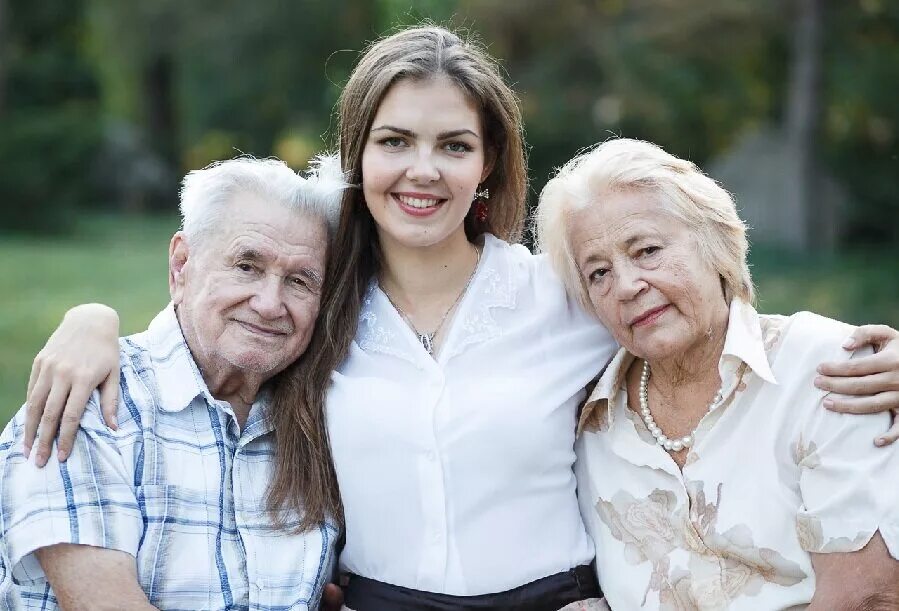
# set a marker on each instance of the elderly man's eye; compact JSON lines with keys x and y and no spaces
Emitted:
{"x":298,"y":282}
{"x":245,"y":267}
{"x":650,"y":250}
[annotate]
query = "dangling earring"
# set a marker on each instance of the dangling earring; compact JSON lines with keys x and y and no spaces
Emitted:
{"x":480,"y":205}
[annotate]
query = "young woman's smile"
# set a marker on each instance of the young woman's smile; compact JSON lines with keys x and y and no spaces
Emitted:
{"x":422,"y":163}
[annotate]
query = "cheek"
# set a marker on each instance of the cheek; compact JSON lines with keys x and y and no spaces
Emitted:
{"x":377,"y":173}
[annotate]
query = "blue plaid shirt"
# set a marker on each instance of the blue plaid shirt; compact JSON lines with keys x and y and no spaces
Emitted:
{"x":178,"y":486}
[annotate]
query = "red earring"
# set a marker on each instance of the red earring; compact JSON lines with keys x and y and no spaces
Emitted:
{"x":480,"y":205}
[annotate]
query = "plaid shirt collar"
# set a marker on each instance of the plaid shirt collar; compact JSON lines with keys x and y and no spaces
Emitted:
{"x":179,"y":380}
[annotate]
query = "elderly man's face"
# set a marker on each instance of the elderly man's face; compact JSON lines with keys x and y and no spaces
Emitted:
{"x":248,"y":295}
{"x":646,"y":279}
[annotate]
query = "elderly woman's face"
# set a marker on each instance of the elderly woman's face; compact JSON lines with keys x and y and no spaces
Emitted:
{"x":646,"y":280}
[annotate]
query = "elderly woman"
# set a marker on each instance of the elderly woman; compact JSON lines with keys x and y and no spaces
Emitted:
{"x":709,"y":474}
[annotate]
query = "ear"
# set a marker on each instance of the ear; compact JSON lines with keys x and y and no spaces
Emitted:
{"x":179,"y":253}
{"x":489,"y":162}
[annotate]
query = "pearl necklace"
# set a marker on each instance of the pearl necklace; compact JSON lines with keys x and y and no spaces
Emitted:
{"x":672,"y":445}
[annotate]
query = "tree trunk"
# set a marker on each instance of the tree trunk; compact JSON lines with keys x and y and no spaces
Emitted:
{"x":813,"y":215}
{"x":4,"y":17}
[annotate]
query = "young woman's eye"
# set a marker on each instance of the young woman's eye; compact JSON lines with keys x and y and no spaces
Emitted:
{"x":392,"y":142}
{"x":458,"y":147}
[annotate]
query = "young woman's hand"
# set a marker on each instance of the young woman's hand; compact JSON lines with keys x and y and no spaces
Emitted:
{"x":871,"y":383}
{"x":81,"y":355}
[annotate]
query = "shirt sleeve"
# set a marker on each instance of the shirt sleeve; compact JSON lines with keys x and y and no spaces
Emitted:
{"x":87,"y":500}
{"x":846,"y":482}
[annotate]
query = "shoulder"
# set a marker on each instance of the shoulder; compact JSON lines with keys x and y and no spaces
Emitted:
{"x":526,"y":271}
{"x":805,"y":335}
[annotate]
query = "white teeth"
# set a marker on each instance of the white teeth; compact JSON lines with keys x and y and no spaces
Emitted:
{"x":416,"y":202}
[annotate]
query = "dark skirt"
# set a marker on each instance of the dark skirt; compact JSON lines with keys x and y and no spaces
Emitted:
{"x":547,"y":594}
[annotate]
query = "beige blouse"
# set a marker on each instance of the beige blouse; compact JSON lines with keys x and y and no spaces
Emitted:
{"x":771,"y":477}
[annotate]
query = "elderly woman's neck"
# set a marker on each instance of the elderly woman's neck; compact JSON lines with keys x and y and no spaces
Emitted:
{"x":694,"y":367}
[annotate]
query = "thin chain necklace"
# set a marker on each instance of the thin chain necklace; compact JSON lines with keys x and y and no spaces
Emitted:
{"x":427,"y":339}
{"x":672,"y":445}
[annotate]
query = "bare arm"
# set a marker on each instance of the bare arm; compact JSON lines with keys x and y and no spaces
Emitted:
{"x":871,"y":383}
{"x":92,"y":578}
{"x":867,"y":579}
{"x":81,"y":355}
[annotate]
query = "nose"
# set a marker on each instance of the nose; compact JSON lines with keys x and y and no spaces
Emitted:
{"x":629,"y":282}
{"x":268,"y":298}
{"x":422,"y":168}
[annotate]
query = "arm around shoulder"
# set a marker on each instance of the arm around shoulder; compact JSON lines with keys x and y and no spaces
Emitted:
{"x":62,"y":379}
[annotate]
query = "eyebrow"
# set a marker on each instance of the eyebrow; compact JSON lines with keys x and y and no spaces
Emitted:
{"x":627,"y":244}
{"x":251,"y":254}
{"x":411,"y":134}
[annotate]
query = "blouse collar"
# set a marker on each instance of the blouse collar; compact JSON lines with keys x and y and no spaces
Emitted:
{"x":492,"y":287}
{"x":743,"y":343}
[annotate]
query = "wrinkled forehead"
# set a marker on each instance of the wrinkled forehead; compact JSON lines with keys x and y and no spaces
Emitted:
{"x":276,"y":233}
{"x":616,"y":219}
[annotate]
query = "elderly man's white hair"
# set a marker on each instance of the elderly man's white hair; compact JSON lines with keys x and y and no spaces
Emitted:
{"x":205,"y":193}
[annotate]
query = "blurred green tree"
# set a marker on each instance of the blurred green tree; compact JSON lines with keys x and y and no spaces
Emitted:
{"x":49,"y":115}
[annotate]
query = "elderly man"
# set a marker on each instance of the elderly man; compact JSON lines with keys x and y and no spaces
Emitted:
{"x":169,"y":510}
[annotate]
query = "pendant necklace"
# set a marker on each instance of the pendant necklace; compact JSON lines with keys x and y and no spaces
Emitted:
{"x":427,"y":339}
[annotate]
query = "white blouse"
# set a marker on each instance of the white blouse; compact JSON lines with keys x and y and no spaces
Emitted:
{"x":772,"y":476}
{"x":456,"y":475}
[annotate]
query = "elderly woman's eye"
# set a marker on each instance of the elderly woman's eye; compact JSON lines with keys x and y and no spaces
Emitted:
{"x":651,"y":250}
{"x":597,"y":274}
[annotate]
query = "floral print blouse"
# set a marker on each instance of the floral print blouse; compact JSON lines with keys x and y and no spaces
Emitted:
{"x":772,"y":476}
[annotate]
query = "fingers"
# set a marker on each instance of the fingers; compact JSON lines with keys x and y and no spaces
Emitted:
{"x":875,"y":404}
{"x":884,"y":361}
{"x":35,"y":400}
{"x":859,"y":386}
{"x":71,"y":417}
{"x":50,"y":423}
{"x":109,"y":400}
{"x":332,"y":597}
{"x":874,"y":335}
{"x":891,"y":435}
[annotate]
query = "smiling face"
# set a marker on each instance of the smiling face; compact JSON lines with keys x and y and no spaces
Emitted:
{"x":247,"y":298}
{"x":646,"y":280}
{"x":423,"y":160}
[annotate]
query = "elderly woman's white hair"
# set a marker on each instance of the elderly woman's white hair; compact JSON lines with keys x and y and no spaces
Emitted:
{"x":204,"y":193}
{"x":684,"y":191}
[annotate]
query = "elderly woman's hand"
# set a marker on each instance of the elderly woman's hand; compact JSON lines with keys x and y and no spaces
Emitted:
{"x":870,"y":383}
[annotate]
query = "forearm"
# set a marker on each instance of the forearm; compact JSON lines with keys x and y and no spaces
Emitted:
{"x":866,"y":580}
{"x":87,"y":578}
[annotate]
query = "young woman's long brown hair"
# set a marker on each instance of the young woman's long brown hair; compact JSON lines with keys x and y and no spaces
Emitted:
{"x":304,"y":476}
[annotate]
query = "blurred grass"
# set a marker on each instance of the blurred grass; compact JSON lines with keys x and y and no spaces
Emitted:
{"x":122,"y":262}
{"x":114,"y":260}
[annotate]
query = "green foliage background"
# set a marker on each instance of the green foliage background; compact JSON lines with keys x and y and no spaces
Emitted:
{"x":105,"y":104}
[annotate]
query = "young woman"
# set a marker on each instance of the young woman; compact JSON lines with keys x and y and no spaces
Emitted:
{"x":449,"y":362}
